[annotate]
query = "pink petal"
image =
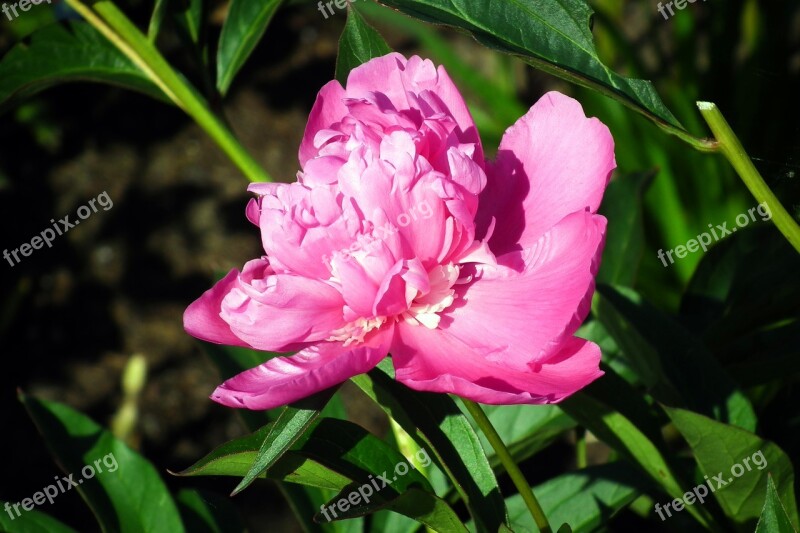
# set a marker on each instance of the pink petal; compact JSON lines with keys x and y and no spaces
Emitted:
{"x":301,"y":228}
{"x":396,"y":77}
{"x":281,"y":312}
{"x":528,"y":312}
{"x":328,"y":109}
{"x":284,"y":380}
{"x":202,"y":318}
{"x":552,"y":162}
{"x":436,"y":361}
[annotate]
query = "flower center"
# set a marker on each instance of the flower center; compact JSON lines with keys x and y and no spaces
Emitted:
{"x":424,"y":309}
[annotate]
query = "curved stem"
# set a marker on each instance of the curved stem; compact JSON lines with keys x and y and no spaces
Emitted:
{"x":117,"y":28}
{"x":508,"y":462}
{"x":733,"y":150}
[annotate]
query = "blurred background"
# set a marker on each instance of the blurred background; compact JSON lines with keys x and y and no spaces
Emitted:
{"x":71,"y":316}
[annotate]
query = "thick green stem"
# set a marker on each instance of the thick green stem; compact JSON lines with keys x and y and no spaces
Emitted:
{"x":118,"y":29}
{"x":732,"y":149}
{"x":510,"y":465}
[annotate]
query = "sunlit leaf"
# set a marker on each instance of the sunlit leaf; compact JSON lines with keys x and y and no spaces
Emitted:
{"x":66,"y":53}
{"x":245,"y":26}
{"x":125,"y":492}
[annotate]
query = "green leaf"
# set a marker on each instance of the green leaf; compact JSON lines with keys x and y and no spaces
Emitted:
{"x":292,"y":424}
{"x":234,"y":458}
{"x":429,"y":510}
{"x":585,"y":499}
{"x":66,"y":53}
{"x":205,"y":512}
{"x":593,"y":330}
{"x":340,"y":456}
{"x":424,"y":507}
{"x":622,"y":206}
{"x":774,"y":518}
{"x":188,"y":15}
{"x":245,"y":25}
{"x":525,"y":429}
{"x":351,"y":450}
{"x":629,"y":401}
{"x":661,"y":351}
{"x":370,"y":462}
{"x":344,"y":449}
{"x":623,"y":436}
{"x":720,"y":448}
{"x":359,"y":43}
{"x":552,"y":36}
{"x":437,"y":425}
{"x":31,"y":521}
{"x":128,"y":495}
{"x":394,"y":522}
{"x":159,"y":10}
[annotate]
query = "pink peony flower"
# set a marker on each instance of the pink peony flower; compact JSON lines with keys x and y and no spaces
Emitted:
{"x":400,"y":238}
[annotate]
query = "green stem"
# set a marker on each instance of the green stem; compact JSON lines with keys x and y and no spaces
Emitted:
{"x":118,"y":29}
{"x":510,"y":465}
{"x":733,"y":150}
{"x":580,"y":447}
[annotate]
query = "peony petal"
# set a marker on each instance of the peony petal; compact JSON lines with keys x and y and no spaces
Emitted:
{"x":528,"y":312}
{"x":554,"y":161}
{"x":281,"y":312}
{"x":302,"y":228}
{"x":397,"y":78}
{"x":328,"y":109}
{"x":202,"y":318}
{"x":435,"y":361}
{"x":283,"y":380}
